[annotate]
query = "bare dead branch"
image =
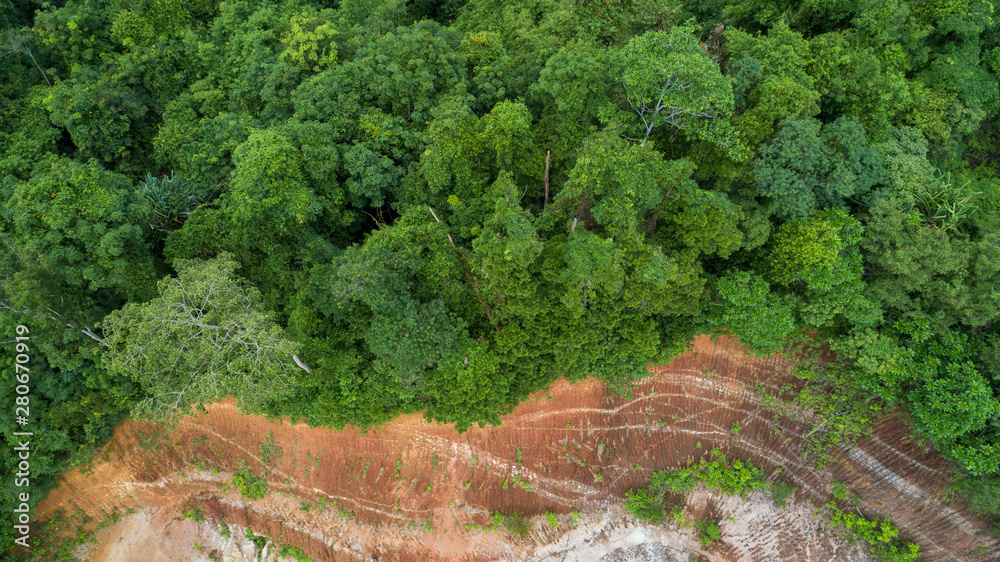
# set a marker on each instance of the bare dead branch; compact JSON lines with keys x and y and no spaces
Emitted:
{"x":546,"y":203}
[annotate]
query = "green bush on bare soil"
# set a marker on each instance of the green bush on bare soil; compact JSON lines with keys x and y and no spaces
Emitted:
{"x":250,"y":486}
{"x":739,"y":478}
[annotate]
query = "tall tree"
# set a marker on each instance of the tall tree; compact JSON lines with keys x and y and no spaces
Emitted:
{"x":811,"y":166}
{"x":669,"y":79}
{"x":207,"y":335}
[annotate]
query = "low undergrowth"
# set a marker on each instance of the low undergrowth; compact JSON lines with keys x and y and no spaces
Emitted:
{"x":740,"y":478}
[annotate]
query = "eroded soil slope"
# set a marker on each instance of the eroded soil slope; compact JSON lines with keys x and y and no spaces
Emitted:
{"x":412,"y":490}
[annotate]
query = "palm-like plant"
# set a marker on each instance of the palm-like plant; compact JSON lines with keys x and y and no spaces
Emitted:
{"x":944,"y":204}
{"x":173,"y":201}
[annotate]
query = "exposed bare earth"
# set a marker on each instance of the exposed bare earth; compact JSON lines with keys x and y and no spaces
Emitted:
{"x":581,"y":449}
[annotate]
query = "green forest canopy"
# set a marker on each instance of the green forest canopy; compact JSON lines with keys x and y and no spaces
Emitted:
{"x":444,"y":206}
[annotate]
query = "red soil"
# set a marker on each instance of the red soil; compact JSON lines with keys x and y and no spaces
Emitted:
{"x":581,"y":448}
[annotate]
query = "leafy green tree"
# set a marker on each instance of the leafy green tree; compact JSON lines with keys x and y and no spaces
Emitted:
{"x":401,"y":288}
{"x":804,"y":249}
{"x":616,"y":189}
{"x":268,"y":188}
{"x":83,"y":225}
{"x":206,"y":336}
{"x":761,"y":319}
{"x":934,"y":373}
{"x":807,"y":168}
{"x":146,"y":20}
{"x":72,"y":403}
{"x":697,"y":221}
{"x":310,"y":43}
{"x":266,"y":217}
{"x":770,"y":81}
{"x":594,"y":271}
{"x":488,"y":67}
{"x":951,"y":402}
{"x":574,"y":85}
{"x":856,"y":82}
{"x":16,"y":43}
{"x":456,"y":162}
{"x":469,"y":162}
{"x":819,"y":258}
{"x":505,"y":128}
{"x":669,"y":79}
{"x":472,"y":389}
{"x":407,"y":70}
{"x":918,"y":267}
{"x":504,"y":255}
{"x":905,"y":158}
{"x":954,"y":63}
{"x":26,"y":136}
{"x":197,"y":147}
{"x":98,"y":114}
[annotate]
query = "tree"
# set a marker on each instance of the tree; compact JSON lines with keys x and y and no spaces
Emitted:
{"x":265,"y":218}
{"x":770,"y":81}
{"x":618,"y":190}
{"x":400,"y":296}
{"x":309,"y":43}
{"x":761,"y":319}
{"x":818,"y":257}
{"x":807,"y":168}
{"x":85,"y":226}
{"x":951,"y":402}
{"x":268,"y":190}
{"x":856,"y":82}
{"x":405,"y":71}
{"x":904,"y":154}
{"x":204,"y":337}
{"x":27,"y":137}
{"x":574,"y":85}
{"x":18,"y":41}
{"x":919,"y":267}
{"x":504,"y":255}
{"x":669,"y":79}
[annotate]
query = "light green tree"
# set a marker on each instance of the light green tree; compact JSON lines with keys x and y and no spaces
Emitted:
{"x":206,"y":336}
{"x":669,"y":79}
{"x":761,"y":319}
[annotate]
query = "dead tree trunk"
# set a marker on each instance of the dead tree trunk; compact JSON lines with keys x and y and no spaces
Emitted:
{"x":546,"y":203}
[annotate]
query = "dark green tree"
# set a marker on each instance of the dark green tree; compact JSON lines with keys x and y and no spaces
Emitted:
{"x":807,"y":167}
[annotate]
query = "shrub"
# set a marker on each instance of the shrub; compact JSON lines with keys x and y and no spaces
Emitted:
{"x":737,"y":479}
{"x":269,"y":451}
{"x":678,"y":481}
{"x":781,"y":491}
{"x":195,"y":513}
{"x":553,"y":520}
{"x":293,"y":552}
{"x":518,"y":525}
{"x":740,"y":478}
{"x":708,"y":532}
{"x":259,"y":540}
{"x":250,"y":486}
{"x":643,"y":505}
{"x":880,"y":535}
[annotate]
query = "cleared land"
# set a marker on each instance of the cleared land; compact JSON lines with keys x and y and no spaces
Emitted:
{"x":412,"y":490}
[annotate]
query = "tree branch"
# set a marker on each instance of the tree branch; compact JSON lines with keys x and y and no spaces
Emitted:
{"x":301,"y":364}
{"x":546,"y":203}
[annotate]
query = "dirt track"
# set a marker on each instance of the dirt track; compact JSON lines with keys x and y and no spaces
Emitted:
{"x":581,"y":448}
